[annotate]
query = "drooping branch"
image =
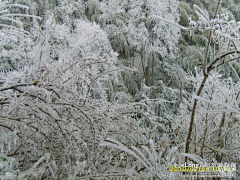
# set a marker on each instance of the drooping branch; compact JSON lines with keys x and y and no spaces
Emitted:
{"x":16,"y":85}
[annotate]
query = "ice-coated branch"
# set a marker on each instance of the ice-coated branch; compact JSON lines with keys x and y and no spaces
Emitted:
{"x":6,"y":15}
{"x":20,"y":15}
{"x":171,"y":22}
{"x":211,"y":65}
{"x":13,"y":27}
{"x":230,"y":108}
{"x":202,"y":13}
{"x":16,"y":85}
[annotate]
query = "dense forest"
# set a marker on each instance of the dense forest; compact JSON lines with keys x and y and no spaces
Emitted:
{"x":119,"y":89}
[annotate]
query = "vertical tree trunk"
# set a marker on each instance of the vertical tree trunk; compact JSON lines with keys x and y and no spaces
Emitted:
{"x":206,"y":71}
{"x":187,"y":148}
